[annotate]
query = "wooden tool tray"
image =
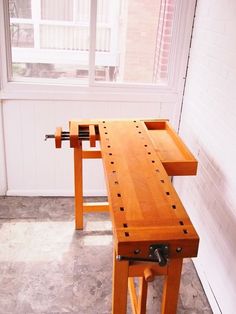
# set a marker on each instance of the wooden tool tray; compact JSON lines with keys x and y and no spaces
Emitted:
{"x":174,"y":154}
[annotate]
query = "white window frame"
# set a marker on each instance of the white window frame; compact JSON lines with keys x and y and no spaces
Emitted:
{"x":102,"y":91}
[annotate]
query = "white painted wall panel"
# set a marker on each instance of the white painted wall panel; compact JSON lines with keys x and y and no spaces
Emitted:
{"x":208,"y":126}
{"x":35,"y":167}
{"x":3,"y":178}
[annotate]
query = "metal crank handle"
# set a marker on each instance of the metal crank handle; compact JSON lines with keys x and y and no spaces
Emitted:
{"x":162,"y":262}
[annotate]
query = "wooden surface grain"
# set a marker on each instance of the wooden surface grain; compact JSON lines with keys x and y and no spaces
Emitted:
{"x":145,"y":208}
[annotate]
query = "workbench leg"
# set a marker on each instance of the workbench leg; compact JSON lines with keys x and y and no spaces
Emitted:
{"x":142,"y":301}
{"x":78,"y":176}
{"x":120,"y":286}
{"x":171,"y":286}
{"x":133,"y":295}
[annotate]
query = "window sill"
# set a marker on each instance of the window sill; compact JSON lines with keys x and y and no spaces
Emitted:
{"x":105,"y":93}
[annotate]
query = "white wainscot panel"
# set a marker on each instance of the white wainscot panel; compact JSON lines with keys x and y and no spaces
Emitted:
{"x":35,"y":167}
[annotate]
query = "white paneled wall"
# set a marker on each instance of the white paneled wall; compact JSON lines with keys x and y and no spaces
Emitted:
{"x":208,"y":126}
{"x":3,"y":178}
{"x":35,"y":167}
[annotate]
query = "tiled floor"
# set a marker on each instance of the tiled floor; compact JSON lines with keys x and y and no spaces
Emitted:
{"x":48,"y":267}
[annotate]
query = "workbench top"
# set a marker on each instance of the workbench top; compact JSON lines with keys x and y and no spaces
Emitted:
{"x":144,"y":206}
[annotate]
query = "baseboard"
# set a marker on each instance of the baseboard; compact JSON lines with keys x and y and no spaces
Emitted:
{"x":207,"y":287}
{"x":53,"y":193}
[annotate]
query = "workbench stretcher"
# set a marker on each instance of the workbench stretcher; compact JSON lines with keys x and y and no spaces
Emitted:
{"x":151,"y":229}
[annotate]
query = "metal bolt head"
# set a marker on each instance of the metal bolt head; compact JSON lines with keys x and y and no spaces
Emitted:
{"x":179,"y":249}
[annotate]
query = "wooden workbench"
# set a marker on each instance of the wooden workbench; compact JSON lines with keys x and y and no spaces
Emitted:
{"x":152,"y":231}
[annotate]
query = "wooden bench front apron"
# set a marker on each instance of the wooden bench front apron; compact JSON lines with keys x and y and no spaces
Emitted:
{"x":151,"y":229}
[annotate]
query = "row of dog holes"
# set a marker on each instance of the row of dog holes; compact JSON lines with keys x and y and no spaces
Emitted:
{"x":185,"y":231}
{"x":121,"y":208}
{"x":116,"y":182}
{"x":114,"y":171}
{"x":105,"y":132}
{"x":157,"y":170}
{"x":153,"y":161}
{"x":109,"y":146}
{"x":137,"y":128}
{"x":162,"y":181}
{"x":125,"y":225}
{"x":118,"y":194}
{"x":112,"y":162}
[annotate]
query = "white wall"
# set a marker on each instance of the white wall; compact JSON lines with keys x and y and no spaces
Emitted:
{"x":35,"y":167}
{"x":208,"y":126}
{"x":3,"y":177}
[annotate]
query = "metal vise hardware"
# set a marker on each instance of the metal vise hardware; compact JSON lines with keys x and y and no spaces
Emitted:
{"x":160,"y":252}
{"x":157,"y":253}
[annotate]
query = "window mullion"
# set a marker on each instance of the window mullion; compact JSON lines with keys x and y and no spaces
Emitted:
{"x":5,"y":47}
{"x":36,"y":17}
{"x":92,"y":41}
{"x":75,"y":11}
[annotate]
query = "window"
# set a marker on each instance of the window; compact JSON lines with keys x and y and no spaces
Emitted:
{"x":92,"y":42}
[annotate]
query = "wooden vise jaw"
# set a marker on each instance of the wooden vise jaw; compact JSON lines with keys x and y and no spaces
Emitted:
{"x":77,"y":132}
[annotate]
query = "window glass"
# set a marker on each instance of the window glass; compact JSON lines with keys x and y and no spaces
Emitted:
{"x":82,"y":10}
{"x":22,"y":35}
{"x":64,"y":37}
{"x":20,"y":9}
{"x":50,"y":70}
{"x":54,"y":43}
{"x":134,"y":40}
{"x":59,"y":10}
